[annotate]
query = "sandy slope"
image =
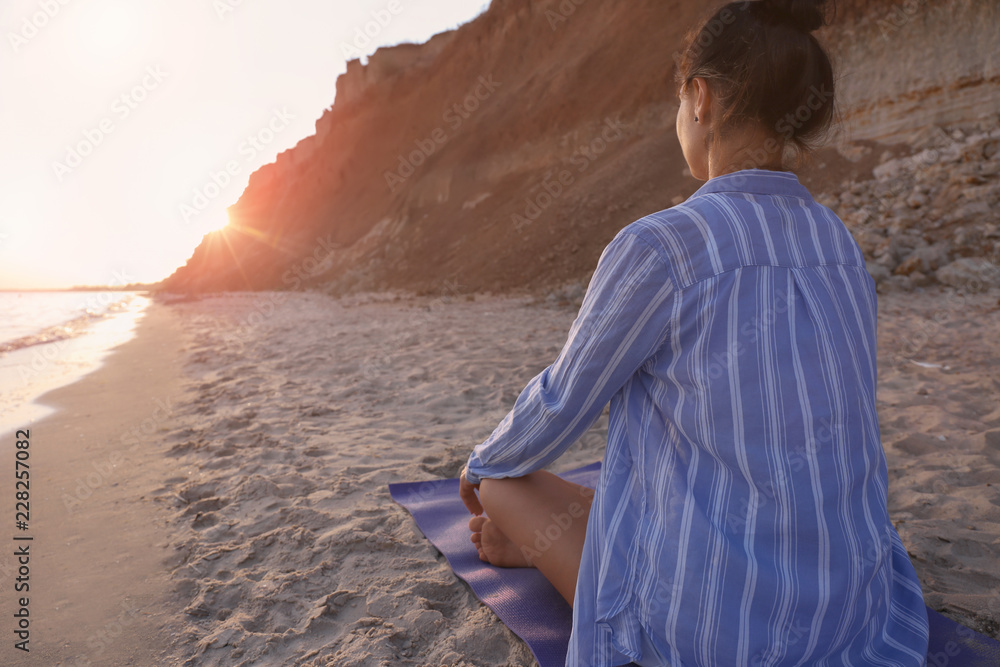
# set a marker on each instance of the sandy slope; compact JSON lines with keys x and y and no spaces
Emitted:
{"x":304,"y":408}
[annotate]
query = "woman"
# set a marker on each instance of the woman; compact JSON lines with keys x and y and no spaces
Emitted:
{"x":740,"y":517}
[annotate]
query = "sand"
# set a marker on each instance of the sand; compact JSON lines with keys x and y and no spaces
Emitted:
{"x":253,"y":525}
{"x":307,"y":409}
{"x":939,"y":410}
{"x":100,"y":591}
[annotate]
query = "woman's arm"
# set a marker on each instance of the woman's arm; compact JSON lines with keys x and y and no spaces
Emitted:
{"x":622,"y":322}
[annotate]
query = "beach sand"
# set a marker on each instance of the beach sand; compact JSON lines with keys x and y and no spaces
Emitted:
{"x":100,"y":589}
{"x":252,"y":524}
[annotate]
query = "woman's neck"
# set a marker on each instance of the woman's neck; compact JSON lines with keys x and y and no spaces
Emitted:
{"x":746,"y":151}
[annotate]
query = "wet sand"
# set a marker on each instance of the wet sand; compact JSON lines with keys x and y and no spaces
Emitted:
{"x":100,"y":583}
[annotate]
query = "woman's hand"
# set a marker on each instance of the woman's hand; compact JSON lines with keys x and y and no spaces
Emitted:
{"x":467,"y":491}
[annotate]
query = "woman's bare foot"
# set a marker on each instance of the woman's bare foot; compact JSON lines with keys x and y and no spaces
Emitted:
{"x":493,"y":546}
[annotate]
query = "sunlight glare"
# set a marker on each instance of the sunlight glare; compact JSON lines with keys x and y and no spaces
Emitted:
{"x":211,"y":221}
{"x":108,"y":31}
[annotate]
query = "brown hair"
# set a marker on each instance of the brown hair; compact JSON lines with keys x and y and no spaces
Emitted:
{"x":764,"y":65}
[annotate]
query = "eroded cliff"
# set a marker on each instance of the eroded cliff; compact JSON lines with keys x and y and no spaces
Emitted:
{"x":507,"y":153}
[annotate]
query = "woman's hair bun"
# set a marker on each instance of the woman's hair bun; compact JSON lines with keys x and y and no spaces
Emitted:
{"x":805,"y":15}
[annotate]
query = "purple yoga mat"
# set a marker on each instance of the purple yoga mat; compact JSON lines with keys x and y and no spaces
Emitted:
{"x":528,"y":604}
{"x":521,"y":597}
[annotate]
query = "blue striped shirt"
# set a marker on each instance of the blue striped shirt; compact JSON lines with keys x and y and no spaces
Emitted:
{"x":740,"y":517}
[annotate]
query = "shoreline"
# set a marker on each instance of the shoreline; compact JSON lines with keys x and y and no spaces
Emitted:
{"x":28,"y":373}
{"x":99,"y":586}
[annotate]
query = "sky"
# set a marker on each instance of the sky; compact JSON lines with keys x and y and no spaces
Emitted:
{"x":128,"y":126}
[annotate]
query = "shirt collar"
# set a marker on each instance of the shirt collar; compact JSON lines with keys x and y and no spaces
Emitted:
{"x":756,"y":181}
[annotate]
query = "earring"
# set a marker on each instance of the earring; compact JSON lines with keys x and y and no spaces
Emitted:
{"x":696,"y":119}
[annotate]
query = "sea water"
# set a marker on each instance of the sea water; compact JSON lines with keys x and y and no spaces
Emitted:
{"x":51,"y":339}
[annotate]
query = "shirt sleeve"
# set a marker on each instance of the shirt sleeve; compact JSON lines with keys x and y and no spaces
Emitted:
{"x":622,"y":322}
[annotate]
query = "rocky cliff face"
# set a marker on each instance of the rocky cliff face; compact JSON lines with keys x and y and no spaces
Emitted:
{"x":910,"y":65}
{"x":507,"y":153}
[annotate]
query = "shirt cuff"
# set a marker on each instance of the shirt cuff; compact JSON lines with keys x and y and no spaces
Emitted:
{"x":471,"y":477}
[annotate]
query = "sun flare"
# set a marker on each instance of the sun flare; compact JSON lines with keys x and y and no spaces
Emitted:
{"x":213,"y":221}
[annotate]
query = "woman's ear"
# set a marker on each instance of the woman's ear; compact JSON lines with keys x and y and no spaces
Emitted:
{"x":702,"y":100}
